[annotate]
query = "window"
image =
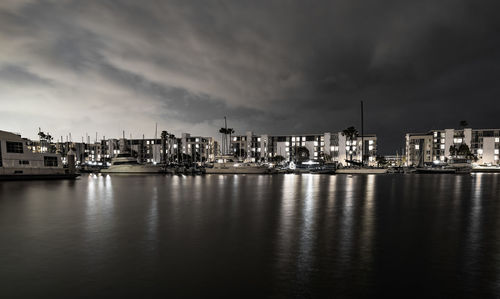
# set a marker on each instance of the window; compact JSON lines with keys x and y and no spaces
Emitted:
{"x":50,"y":161}
{"x":0,"y":154}
{"x":480,"y":151}
{"x":497,"y":139}
{"x":24,"y":162}
{"x":14,"y":147}
{"x":442,"y":146}
{"x":417,"y":146}
{"x":370,"y":142}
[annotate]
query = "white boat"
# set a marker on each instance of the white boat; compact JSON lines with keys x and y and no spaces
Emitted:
{"x":18,"y":162}
{"x":486,"y":168}
{"x":125,"y":163}
{"x":455,"y":165}
{"x":239,"y":168}
{"x":360,"y":170}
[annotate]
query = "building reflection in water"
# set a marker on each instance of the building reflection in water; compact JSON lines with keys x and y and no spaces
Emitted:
{"x":99,"y":224}
{"x":310,"y":188}
{"x":285,"y":231}
{"x":153,"y":217}
{"x":347,"y":222}
{"x":474,"y":232}
{"x":368,"y":220}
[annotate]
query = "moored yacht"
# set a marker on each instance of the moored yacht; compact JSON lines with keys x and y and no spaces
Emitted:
{"x":227,"y":166}
{"x":126,"y":163}
{"x":17,"y":162}
{"x":361,"y":170}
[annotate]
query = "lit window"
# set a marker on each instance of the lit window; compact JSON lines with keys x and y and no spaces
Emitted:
{"x":258,"y":149}
{"x":348,"y":143}
{"x":293,"y":138}
{"x":287,"y":143}
{"x":370,"y":147}
{"x":315,"y":154}
{"x":315,"y":143}
{"x":235,"y":138}
{"x":258,"y":139}
{"x":354,"y":142}
{"x":441,"y":158}
{"x":287,"y":149}
{"x":496,"y":151}
{"x":435,"y":134}
{"x":443,"y":134}
{"x":442,"y":140}
{"x":197,"y":146}
{"x":353,"y":148}
{"x":497,"y":139}
{"x":370,"y":142}
{"x":303,"y":138}
{"x":496,"y":158}
{"x":442,"y":146}
{"x":480,"y":151}
{"x":332,"y":148}
{"x":417,"y":146}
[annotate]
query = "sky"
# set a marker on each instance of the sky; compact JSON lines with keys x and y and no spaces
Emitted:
{"x":271,"y":67}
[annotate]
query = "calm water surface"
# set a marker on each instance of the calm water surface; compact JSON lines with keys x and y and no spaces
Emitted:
{"x":251,"y":235}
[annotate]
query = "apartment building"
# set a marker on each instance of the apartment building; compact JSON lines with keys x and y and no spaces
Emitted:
{"x":333,"y":147}
{"x":425,"y":148}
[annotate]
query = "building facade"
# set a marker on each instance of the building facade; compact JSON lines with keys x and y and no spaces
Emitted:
{"x":435,"y":145}
{"x":328,"y":147}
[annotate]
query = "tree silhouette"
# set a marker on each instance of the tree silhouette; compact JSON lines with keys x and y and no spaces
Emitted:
{"x":351,"y":133}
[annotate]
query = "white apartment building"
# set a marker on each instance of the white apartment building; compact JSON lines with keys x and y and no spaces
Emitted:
{"x":331,"y":147}
{"x":435,"y":145}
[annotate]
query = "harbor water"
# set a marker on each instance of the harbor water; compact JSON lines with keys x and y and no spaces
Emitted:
{"x":298,"y":236}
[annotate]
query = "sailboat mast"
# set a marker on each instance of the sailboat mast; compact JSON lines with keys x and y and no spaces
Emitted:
{"x":362,"y":137}
{"x":226,"y":147}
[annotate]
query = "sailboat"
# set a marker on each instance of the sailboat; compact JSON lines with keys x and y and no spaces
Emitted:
{"x":361,"y":168}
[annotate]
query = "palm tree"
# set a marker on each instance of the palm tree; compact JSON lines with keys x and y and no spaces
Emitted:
{"x":229,"y":131}
{"x":351,"y":133}
{"x":223,"y":131}
{"x":42,"y":138}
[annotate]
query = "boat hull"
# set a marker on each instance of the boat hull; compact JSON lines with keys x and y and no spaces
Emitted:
{"x":361,"y":171}
{"x":238,"y":171}
{"x":435,"y":171}
{"x":31,"y":177}
{"x":132,"y":169}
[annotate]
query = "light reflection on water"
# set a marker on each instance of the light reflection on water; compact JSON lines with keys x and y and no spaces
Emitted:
{"x":287,"y":235}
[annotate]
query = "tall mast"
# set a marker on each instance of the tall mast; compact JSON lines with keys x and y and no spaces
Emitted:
{"x":362,"y":137}
{"x":226,"y":147}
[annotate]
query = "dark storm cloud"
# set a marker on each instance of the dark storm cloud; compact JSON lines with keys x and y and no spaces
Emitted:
{"x":271,"y":66}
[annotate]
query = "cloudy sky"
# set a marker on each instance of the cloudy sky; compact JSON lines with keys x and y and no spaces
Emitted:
{"x":270,"y":66}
